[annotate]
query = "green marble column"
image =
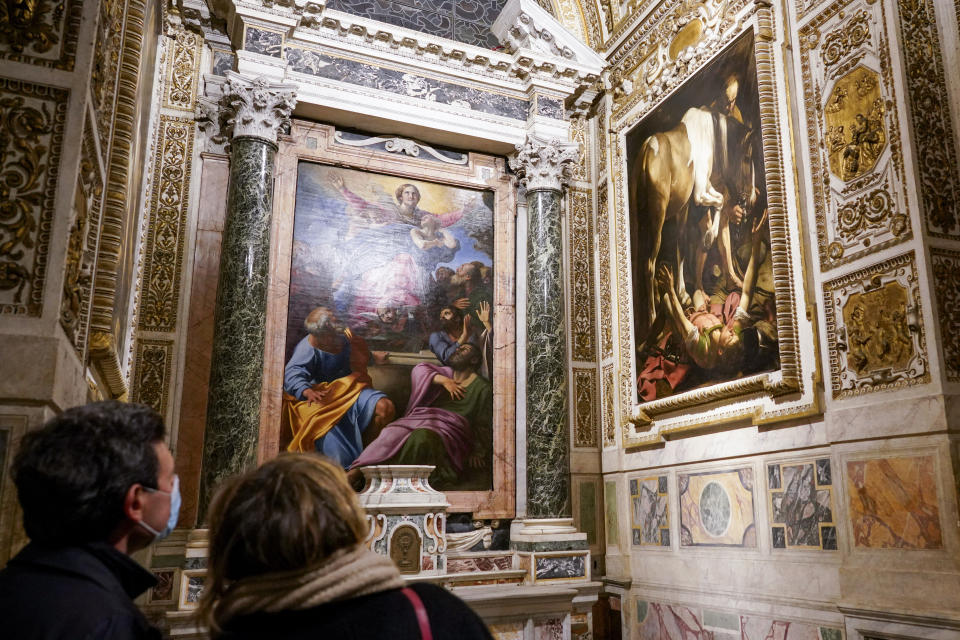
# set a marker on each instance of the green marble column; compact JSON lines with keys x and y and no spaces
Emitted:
{"x":236,"y":376}
{"x":548,"y":451}
{"x":544,"y":166}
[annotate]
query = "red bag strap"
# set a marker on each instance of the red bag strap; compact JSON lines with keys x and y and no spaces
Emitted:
{"x":422,"y":619}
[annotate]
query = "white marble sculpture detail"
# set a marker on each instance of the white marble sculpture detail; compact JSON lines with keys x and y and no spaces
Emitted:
{"x":545,"y":163}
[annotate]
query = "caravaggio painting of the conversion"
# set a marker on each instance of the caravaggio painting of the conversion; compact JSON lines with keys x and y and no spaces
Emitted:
{"x":390,"y":325}
{"x":704,"y":304}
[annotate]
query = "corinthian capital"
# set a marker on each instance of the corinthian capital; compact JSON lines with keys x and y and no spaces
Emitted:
{"x":545,"y":163}
{"x":255,"y":107}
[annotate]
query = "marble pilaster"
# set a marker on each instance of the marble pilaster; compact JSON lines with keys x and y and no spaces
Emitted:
{"x":544,"y":166}
{"x":251,"y":115}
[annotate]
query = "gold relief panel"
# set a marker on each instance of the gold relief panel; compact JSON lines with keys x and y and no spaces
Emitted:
{"x":153,"y":364}
{"x":605,"y":285}
{"x":583,"y":326}
{"x":930,"y":116}
{"x":183,"y":71}
{"x":609,"y":394}
{"x":854,"y":142}
{"x":578,"y":131}
{"x":163,"y":252}
{"x":875,"y":329}
{"x":673,"y":42}
{"x":81,"y":245}
{"x":40,"y":32}
{"x":106,"y":66}
{"x":31,"y":135}
{"x":946,"y":282}
{"x":584,"y":407}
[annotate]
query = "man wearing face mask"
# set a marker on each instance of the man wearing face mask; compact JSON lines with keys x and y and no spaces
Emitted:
{"x":95,"y":484}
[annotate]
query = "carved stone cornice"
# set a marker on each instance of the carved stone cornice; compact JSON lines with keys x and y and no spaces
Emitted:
{"x":545,"y":164}
{"x":253,"y":107}
{"x":529,"y":32}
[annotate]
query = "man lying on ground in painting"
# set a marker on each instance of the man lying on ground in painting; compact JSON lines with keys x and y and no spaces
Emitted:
{"x":448,"y":423}
{"x":457,"y":329}
{"x":709,"y":341}
{"x":329,"y":404}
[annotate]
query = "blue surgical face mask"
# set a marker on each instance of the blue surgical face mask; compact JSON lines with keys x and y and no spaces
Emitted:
{"x":174,"y":511}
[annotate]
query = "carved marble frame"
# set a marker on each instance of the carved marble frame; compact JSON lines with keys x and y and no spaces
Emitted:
{"x":769,"y":397}
{"x":315,"y":143}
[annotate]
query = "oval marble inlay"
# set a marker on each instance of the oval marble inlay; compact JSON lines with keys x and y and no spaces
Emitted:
{"x":715,"y":509}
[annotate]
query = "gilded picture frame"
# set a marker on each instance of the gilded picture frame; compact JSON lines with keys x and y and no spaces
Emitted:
{"x":661,"y":59}
{"x":332,"y":155}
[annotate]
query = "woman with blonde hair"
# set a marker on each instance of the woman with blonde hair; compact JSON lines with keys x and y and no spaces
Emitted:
{"x":288,"y":561}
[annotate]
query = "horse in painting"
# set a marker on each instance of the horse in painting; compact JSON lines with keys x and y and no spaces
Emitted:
{"x":705,"y":160}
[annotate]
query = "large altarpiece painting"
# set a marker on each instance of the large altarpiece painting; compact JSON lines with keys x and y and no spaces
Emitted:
{"x":707,"y":228}
{"x":392,"y":340}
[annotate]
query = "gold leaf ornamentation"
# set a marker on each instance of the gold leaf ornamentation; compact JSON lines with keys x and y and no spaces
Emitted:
{"x":163,"y":252}
{"x":153,"y":366}
{"x":875,"y":329}
{"x":946,"y":282}
{"x":584,"y":407}
{"x":936,"y":155}
{"x":40,"y":32}
{"x":31,"y":134}
{"x":581,"y":275}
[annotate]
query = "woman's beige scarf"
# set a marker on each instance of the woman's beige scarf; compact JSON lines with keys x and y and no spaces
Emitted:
{"x":348,"y":573}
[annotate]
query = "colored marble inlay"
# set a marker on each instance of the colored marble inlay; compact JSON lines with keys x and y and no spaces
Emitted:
{"x":801,"y":505}
{"x":588,"y":511}
{"x":716,"y":509}
{"x":236,"y":378}
{"x":548,"y":447}
{"x":405,"y":84}
{"x":610,"y":510}
{"x":466,"y":21}
{"x":894,"y":504}
{"x":650,"y":511}
{"x":560,"y":567}
{"x":268,"y":43}
{"x":657,"y":621}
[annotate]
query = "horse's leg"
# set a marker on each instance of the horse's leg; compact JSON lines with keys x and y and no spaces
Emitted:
{"x":657,"y":207}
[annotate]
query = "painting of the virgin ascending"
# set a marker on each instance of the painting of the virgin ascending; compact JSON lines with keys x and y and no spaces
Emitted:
{"x":704,"y":305}
{"x":390,"y":326}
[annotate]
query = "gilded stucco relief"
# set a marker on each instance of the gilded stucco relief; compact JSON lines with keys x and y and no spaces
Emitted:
{"x":82,"y":245}
{"x":609,"y":419}
{"x":875,"y":329}
{"x":152,"y":378}
{"x":31,"y":136}
{"x":183,"y":70}
{"x":853,"y":135}
{"x":582,"y":306}
{"x":166,"y":228}
{"x":936,"y":155}
{"x":40,"y":32}
{"x":605,"y":287}
{"x":106,"y":65}
{"x":584,"y":407}
{"x":946,"y":286}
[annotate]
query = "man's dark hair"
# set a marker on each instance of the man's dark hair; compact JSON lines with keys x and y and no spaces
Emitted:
{"x":73,"y":474}
{"x":466,"y":357}
{"x":457,"y":313}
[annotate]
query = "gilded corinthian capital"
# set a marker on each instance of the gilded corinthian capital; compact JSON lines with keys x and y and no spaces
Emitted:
{"x":255,"y":107}
{"x":545,"y":163}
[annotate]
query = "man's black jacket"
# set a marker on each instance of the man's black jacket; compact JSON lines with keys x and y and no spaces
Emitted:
{"x":83,"y":592}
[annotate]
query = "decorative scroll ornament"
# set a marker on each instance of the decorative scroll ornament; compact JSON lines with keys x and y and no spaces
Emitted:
{"x":257,"y":108}
{"x":524,"y":34}
{"x":545,"y":163}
